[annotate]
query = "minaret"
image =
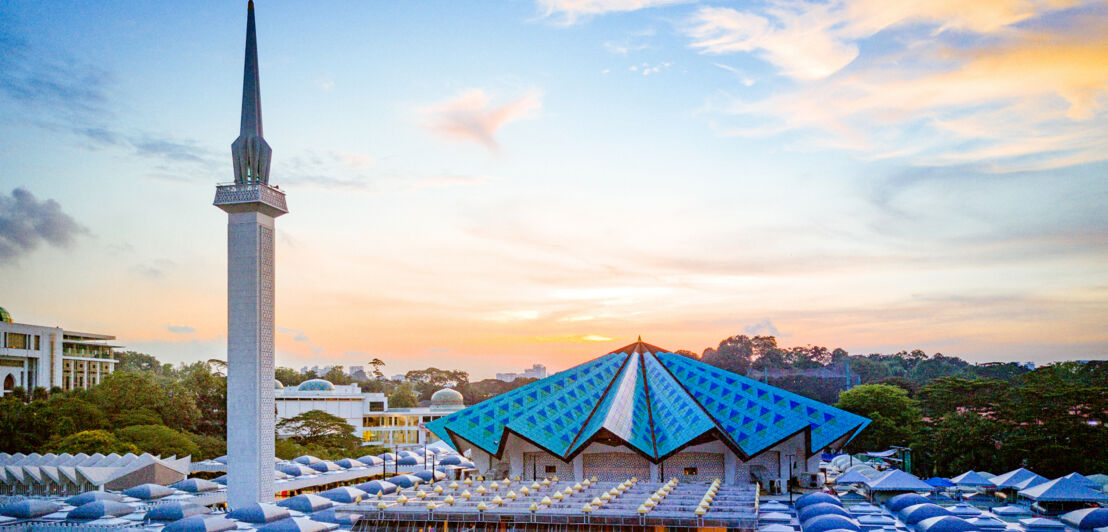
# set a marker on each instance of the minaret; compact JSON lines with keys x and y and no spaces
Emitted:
{"x":251,"y":205}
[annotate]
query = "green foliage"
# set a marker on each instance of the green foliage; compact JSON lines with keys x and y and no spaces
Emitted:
{"x":210,"y":446}
{"x":894,"y":416}
{"x":337,"y":376}
{"x":127,"y":398}
{"x":158,"y":440}
{"x":90,"y":442}
{"x":318,"y":433}
{"x":135,"y":362}
{"x":476,"y":392}
{"x":403,"y":397}
{"x":290,"y":377}
{"x":430,"y":380}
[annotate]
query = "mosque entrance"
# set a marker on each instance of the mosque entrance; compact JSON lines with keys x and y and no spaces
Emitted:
{"x":9,"y":382}
{"x":615,"y":466}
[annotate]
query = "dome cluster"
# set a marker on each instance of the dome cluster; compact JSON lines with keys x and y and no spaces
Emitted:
{"x":316,"y":385}
{"x":447,"y":397}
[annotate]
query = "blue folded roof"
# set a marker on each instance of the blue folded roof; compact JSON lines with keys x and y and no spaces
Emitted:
{"x":655,"y":401}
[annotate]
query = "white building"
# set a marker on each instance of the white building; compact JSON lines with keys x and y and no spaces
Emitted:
{"x":538,"y":371}
{"x":369,"y":413}
{"x":33,"y":356}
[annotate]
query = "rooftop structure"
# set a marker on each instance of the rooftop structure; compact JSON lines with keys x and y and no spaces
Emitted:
{"x":369,"y":413}
{"x":34,"y":356}
{"x":640,"y":411}
{"x":63,"y":474}
{"x":252,"y":205}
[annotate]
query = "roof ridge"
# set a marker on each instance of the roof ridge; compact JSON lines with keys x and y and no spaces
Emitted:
{"x":646,"y":392}
{"x":599,"y":403}
{"x":711,"y":419}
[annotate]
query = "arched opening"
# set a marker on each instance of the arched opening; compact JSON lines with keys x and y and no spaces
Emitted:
{"x":9,"y":382}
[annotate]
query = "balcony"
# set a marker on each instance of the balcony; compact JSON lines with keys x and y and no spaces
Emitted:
{"x":243,"y":197}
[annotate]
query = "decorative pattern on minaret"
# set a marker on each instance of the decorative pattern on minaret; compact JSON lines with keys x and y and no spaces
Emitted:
{"x":250,"y":151}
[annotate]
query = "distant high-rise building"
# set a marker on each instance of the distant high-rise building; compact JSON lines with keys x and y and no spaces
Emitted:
{"x":538,"y":371}
{"x":252,"y":205}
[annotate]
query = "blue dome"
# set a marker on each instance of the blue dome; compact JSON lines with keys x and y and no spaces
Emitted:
{"x":816,"y":498}
{"x":316,"y":385}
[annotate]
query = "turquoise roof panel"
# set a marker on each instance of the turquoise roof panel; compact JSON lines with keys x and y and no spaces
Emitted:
{"x":654,"y":401}
{"x":678,"y":419}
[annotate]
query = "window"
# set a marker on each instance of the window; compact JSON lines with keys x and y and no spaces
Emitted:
{"x":376,"y":406}
{"x":38,"y":340}
{"x":17,"y":341}
{"x":550,"y":469}
{"x":690,"y":471}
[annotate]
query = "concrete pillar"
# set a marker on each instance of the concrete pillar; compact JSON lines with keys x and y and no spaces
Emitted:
{"x":250,"y":372}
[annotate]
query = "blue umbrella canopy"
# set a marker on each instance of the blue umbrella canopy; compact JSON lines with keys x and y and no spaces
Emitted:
{"x":345,"y":495}
{"x":331,"y":516}
{"x":409,"y":454}
{"x":347,"y":463}
{"x":90,"y":496}
{"x":916,"y":513}
{"x":940,"y":482}
{"x":815,"y":498}
{"x":904,"y":500}
{"x":173,"y":511}
{"x":377,"y":486}
{"x":306,"y":459}
{"x":425,"y":475}
{"x":293,"y":524}
{"x":221,"y":459}
{"x":450,"y":460}
{"x":195,"y":485}
{"x":295,"y":469}
{"x":410,"y":460}
{"x":148,"y":492}
{"x":29,"y":508}
{"x":98,"y":509}
{"x":324,"y":466}
{"x":221,"y":479}
{"x":405,"y":481}
{"x":306,"y":503}
{"x":371,"y":460}
{"x":822,"y":508}
{"x":829,"y":522}
{"x":945,"y":523}
{"x":258,"y":513}
{"x":388,"y":457}
{"x":1087,"y":519}
{"x":201,"y":523}
{"x":467,"y":464}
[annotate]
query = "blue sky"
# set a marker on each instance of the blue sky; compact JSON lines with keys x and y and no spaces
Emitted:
{"x":498,"y":184}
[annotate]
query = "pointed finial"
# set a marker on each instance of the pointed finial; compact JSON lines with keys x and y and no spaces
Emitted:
{"x":640,"y":338}
{"x":250,"y":151}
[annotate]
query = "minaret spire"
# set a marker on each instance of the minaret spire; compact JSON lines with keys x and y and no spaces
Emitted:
{"x":251,"y":90}
{"x":250,"y":151}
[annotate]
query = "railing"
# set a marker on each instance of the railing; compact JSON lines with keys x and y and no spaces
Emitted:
{"x":231,"y":193}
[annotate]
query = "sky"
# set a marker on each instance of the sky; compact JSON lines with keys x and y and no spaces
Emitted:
{"x":489,"y":185}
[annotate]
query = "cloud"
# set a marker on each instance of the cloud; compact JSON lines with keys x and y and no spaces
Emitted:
{"x":154,"y":269}
{"x":26,"y":223}
{"x":352,"y":160}
{"x":762,"y":327}
{"x":471,"y":117}
{"x":808,"y":40}
{"x":451,"y":180}
{"x":180,"y":329}
{"x":572,"y":11}
{"x":945,"y":103}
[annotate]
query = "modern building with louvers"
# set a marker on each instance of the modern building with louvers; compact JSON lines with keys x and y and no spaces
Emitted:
{"x":645,"y":412}
{"x":44,"y":356}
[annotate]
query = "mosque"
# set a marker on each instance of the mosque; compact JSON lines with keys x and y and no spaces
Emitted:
{"x":642,"y":411}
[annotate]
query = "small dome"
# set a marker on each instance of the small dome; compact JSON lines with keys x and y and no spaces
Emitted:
{"x":4,"y":316}
{"x":447,"y":397}
{"x":316,"y":385}
{"x":277,"y":385}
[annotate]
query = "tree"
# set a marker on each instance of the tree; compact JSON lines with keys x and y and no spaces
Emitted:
{"x":91,"y":442}
{"x":403,"y":397}
{"x":158,"y":440}
{"x":337,"y":376}
{"x":130,"y":398}
{"x":135,"y":362}
{"x":209,"y":391}
{"x":289,"y":376}
{"x":210,"y":446}
{"x":894,"y":416}
{"x":318,"y":429}
{"x":377,"y":365}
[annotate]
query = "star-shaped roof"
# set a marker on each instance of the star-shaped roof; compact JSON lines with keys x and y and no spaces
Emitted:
{"x":652,"y":401}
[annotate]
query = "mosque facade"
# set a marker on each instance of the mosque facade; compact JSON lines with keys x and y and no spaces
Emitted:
{"x":644,"y":412}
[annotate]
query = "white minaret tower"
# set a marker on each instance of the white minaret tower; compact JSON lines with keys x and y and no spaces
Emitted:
{"x":252,"y":205}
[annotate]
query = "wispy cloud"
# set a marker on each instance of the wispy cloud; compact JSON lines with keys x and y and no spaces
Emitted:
{"x":573,"y":11}
{"x":26,"y":223}
{"x":471,"y":117}
{"x":180,"y":329}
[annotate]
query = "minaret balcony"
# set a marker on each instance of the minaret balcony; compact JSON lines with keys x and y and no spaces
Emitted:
{"x":242,"y":197}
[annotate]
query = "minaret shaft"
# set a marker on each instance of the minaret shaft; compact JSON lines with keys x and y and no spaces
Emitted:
{"x":252,"y":206}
